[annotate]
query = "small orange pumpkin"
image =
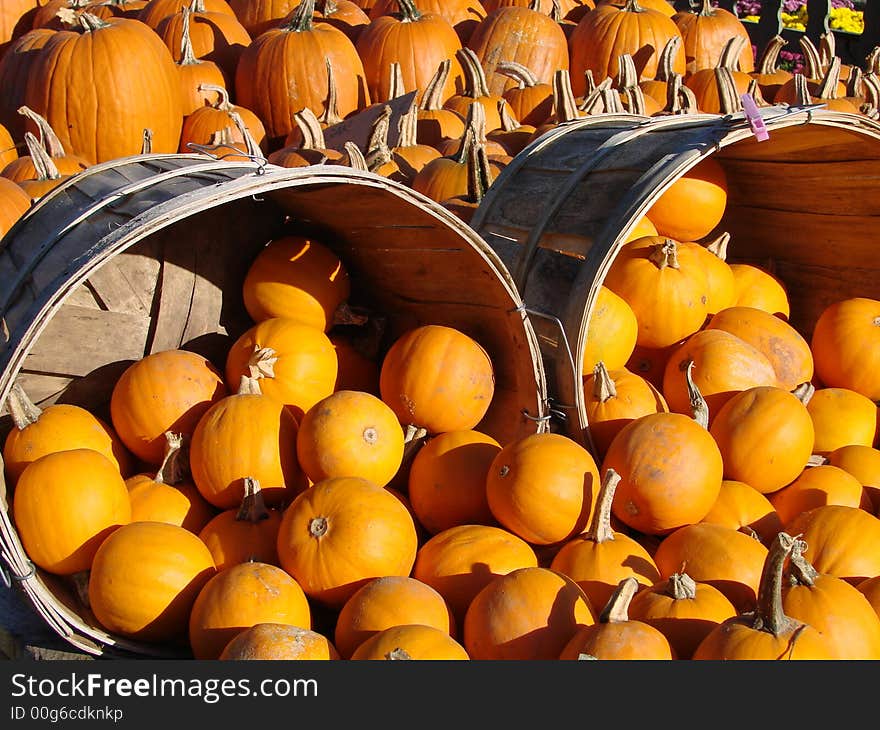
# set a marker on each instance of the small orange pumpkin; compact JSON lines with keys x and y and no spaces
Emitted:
{"x":863,"y":462}
{"x":757,"y":287}
{"x":742,"y":507}
{"x":410,"y":641}
{"x":612,"y":331}
{"x":842,"y":417}
{"x":277,"y":641}
{"x":816,"y":486}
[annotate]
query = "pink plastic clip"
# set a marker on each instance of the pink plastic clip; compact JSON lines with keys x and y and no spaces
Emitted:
{"x":756,"y":121}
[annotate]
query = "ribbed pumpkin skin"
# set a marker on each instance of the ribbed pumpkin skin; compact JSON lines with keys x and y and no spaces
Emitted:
{"x":618,"y":640}
{"x":62,"y":426}
{"x":817,"y":486}
{"x":393,"y":600}
{"x":685,"y":622}
{"x":838,"y":610}
{"x":765,"y":436}
{"x":305,"y":366}
{"x":156,"y":10}
{"x":670,"y":470}
{"x":145,"y":579}
{"x":842,"y":417}
{"x":530,"y":613}
{"x":283,"y":70}
{"x":164,"y":391}
{"x":242,"y":436}
{"x":447,"y":480}
{"x":720,"y":556}
{"x":350,"y":517}
{"x":411,"y":641}
{"x":239,"y":597}
{"x":846,"y":346}
{"x":705,"y":32}
{"x":669,"y":303}
{"x":70,"y":81}
{"x":258,"y":16}
{"x":523,"y":35}
{"x":297,"y":278}
{"x":65,"y":504}
{"x":279,"y":642}
{"x":543,"y":487}
{"x":606,"y":32}
{"x":350,"y":434}
{"x":841,"y":541}
{"x":419,"y":46}
{"x":460,"y":561}
{"x":217,"y":37}
{"x":438,"y":378}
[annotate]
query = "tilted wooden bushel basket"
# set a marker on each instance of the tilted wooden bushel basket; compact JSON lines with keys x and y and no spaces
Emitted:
{"x":804,"y":203}
{"x":148,"y":253}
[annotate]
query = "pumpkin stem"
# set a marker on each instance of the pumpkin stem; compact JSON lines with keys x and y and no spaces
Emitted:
{"x":699,"y":407}
{"x":261,"y":363}
{"x":627,"y":75}
{"x":252,"y":149}
{"x":479,"y":172}
{"x":800,"y":569}
{"x":804,"y":392}
{"x":23,"y":410}
{"x":755,"y":91}
{"x":475,"y":78}
{"x":474,"y":132}
{"x":594,"y":101}
{"x":87,"y":21}
{"x":665,"y":253}
{"x":827,"y":48}
{"x":253,"y":506}
{"x":768,"y":63}
{"x":600,"y":526}
{"x":408,"y":12}
{"x":330,"y":115}
{"x":617,"y":608}
{"x":523,"y":75}
{"x":396,"y":86}
{"x":729,"y":101}
{"x":187,"y":54}
{"x":40,"y":158}
{"x":318,"y":526}
{"x":378,"y":152}
{"x":681,"y":586}
{"x":634,"y":100}
{"x":356,"y":157}
{"x":397,"y":654}
{"x":812,"y":61}
{"x":48,"y":139}
{"x":147,"y":141}
{"x":223,"y":103}
{"x":828,"y":88}
{"x":508,"y":122}
{"x":301,"y":18}
{"x":327,"y":7}
{"x":407,"y":126}
{"x":718,"y":246}
{"x":603,"y":386}
{"x":310,"y":129}
{"x":249,"y":386}
{"x":769,"y":615}
{"x":632,"y":6}
{"x":801,"y":90}
{"x":432,"y":99}
{"x":680,"y":99}
{"x":817,"y":460}
{"x":173,"y":468}
{"x":666,"y":61}
{"x":565,"y":107}
{"x":729,"y":57}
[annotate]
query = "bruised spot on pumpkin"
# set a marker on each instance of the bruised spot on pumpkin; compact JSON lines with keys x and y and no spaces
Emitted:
{"x":504,"y":471}
{"x":631,"y":507}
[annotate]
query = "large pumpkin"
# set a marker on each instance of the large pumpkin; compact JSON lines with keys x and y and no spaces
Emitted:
{"x":543,"y":487}
{"x":80,"y":94}
{"x":437,"y":378}
{"x":145,"y":579}
{"x":240,"y":597}
{"x":341,"y":533}
{"x":705,"y":30}
{"x":65,"y":505}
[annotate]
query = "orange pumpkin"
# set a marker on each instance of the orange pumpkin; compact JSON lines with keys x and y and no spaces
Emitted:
{"x":291,"y":362}
{"x":447,"y":480}
{"x":39,"y":431}
{"x":691,"y":207}
{"x":863,"y":462}
{"x":682,"y":609}
{"x":249,"y":533}
{"x":766,"y":633}
{"x":846,"y":346}
{"x":410,"y":641}
{"x":14,"y":203}
{"x":842,"y":417}
{"x":600,"y":558}
{"x":350,"y":434}
{"x":278,"y":641}
{"x":717,"y":89}
{"x":529,"y":613}
{"x":664,"y":283}
{"x":742,"y":507}
{"x":720,"y":556}
{"x":543,"y":487}
{"x":351,"y":517}
{"x":164,"y":391}
{"x":705,"y":30}
{"x":615,"y":398}
{"x":65,"y":504}
{"x":389,"y":601}
{"x":246,"y":434}
{"x":615,"y":635}
{"x":765,"y":436}
{"x":612,"y":330}
{"x":786,"y":349}
{"x":816,"y":486}
{"x":239,"y":597}
{"x":460,"y":561}
{"x":437,"y":378}
{"x":298,"y":278}
{"x":145,"y":579}
{"x":757,"y":287}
